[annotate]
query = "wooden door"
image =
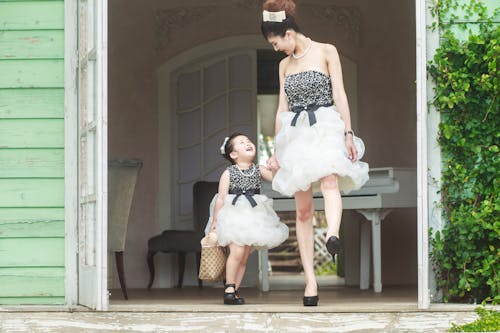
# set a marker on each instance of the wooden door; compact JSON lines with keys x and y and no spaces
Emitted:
{"x":92,"y":152}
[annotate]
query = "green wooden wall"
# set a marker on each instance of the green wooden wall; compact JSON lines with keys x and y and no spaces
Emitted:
{"x":31,"y":152}
{"x":471,"y":22}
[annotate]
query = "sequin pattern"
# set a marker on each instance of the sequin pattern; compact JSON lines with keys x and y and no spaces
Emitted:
{"x":308,"y":88}
{"x":251,"y":180}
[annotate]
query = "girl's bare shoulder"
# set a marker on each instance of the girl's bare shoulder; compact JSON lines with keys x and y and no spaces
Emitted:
{"x":225,"y":175}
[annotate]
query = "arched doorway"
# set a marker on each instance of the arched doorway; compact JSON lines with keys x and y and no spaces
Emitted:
{"x":204,"y":94}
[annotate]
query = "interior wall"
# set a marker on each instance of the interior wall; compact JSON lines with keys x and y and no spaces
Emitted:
{"x":380,"y":39}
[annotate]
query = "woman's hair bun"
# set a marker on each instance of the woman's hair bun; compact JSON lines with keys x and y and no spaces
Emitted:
{"x":278,"y":5}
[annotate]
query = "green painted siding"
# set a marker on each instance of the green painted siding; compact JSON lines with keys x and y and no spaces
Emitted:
{"x":31,"y":103}
{"x":471,"y":22}
{"x":31,"y":152}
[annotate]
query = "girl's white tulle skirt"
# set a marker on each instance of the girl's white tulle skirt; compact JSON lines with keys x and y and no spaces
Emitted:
{"x":243,"y":224}
{"x":308,"y":153}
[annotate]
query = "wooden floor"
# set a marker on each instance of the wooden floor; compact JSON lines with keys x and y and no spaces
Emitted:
{"x":209,"y":299}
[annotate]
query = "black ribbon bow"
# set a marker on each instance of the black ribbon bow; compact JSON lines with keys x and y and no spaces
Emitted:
{"x":248,"y":194}
{"x":310,"y":112}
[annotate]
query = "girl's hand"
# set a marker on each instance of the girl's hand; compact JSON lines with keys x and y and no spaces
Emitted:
{"x":213,"y":227}
{"x":272,"y":163}
{"x":352,"y":153}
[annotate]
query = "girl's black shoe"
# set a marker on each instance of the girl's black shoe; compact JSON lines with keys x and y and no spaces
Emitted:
{"x":230,"y":298}
{"x":240,"y":299}
{"x":334,"y":245}
{"x":310,"y":300}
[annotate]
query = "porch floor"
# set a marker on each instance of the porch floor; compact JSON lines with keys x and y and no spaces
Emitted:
{"x":209,"y":299}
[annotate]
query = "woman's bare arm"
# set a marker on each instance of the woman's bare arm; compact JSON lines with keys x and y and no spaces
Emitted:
{"x":282,"y":102}
{"x":272,"y":162}
{"x":339,"y":95}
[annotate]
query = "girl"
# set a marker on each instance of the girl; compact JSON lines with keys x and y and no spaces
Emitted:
{"x":315,"y":144}
{"x":243,"y":218}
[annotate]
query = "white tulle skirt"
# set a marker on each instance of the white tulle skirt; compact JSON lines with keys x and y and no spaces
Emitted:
{"x":243,"y":224}
{"x":308,"y":153}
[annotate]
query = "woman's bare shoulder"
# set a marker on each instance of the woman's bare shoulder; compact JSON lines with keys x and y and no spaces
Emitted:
{"x":284,"y":64}
{"x":328,"y":48}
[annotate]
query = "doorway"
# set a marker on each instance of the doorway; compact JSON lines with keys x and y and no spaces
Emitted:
{"x":140,"y":100}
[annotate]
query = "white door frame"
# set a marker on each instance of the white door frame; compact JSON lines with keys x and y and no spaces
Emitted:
{"x":71,"y":104}
{"x":428,"y":151}
{"x":71,"y":143}
{"x":71,"y":153}
{"x":422,"y":173}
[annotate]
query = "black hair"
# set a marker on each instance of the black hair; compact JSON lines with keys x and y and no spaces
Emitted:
{"x":270,"y":29}
{"x":228,"y":147}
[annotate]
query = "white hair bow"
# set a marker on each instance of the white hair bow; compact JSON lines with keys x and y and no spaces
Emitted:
{"x":223,"y":147}
{"x":273,"y":16}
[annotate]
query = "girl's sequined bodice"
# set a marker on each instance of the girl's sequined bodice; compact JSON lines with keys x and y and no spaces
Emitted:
{"x":308,"y":88}
{"x":244,"y":180}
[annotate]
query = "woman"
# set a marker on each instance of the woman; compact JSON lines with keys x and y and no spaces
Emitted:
{"x":315,"y":144}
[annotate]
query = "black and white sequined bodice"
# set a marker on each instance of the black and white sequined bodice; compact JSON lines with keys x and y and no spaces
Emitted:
{"x":244,"y":180}
{"x":308,"y":88}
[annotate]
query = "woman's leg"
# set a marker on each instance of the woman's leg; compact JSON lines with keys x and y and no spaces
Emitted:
{"x":243,"y":265}
{"x":236,"y":254}
{"x":333,"y":204}
{"x":305,"y":237}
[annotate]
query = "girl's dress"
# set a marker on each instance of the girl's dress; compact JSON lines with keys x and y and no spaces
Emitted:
{"x":247,"y":217}
{"x":311,"y":142}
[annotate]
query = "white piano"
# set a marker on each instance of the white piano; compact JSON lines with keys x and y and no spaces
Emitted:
{"x":388,"y":188}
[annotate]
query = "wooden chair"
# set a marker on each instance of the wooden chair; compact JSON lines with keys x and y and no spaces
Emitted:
{"x":122,"y":177}
{"x":182,"y":242}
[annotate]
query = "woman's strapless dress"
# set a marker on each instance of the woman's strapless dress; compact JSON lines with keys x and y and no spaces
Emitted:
{"x":311,"y":142}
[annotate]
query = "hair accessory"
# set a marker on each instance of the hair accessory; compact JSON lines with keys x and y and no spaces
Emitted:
{"x":223,"y":147}
{"x":273,"y":16}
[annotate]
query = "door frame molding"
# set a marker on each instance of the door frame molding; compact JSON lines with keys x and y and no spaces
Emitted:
{"x":71,"y":153}
{"x":428,"y":152}
{"x":424,"y":155}
{"x":71,"y":159}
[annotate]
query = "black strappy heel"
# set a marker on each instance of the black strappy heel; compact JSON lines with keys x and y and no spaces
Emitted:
{"x":230,"y":298}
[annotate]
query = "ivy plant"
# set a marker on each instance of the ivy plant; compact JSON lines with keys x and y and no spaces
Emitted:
{"x":466,"y":252}
{"x":488,"y":321}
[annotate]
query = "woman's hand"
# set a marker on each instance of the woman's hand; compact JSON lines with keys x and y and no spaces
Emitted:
{"x":272,"y":163}
{"x":213,"y":227}
{"x":352,"y":153}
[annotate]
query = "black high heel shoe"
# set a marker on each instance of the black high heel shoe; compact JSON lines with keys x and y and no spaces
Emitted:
{"x":334,"y":246}
{"x":311,"y":300}
{"x":230,"y":298}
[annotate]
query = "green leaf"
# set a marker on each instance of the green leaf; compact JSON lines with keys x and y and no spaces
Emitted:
{"x":493,"y":149}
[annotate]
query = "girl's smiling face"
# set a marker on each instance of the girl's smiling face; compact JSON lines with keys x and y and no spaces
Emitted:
{"x":243,"y":149}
